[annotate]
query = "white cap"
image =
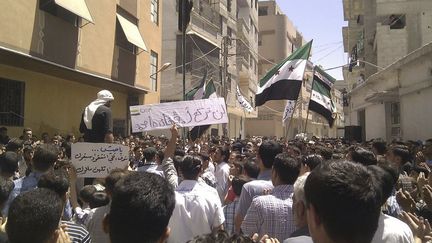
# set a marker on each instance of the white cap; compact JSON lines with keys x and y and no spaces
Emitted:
{"x":105,"y":95}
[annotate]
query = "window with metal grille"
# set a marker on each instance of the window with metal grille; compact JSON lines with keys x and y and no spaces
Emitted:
{"x":154,"y":11}
{"x":153,"y":70}
{"x":12,"y":102}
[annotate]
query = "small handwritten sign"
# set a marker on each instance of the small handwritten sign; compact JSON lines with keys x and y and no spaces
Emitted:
{"x":183,"y":114}
{"x":98,"y":159}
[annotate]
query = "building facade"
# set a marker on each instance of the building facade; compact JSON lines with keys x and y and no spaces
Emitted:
{"x":56,"y":55}
{"x":215,"y":46}
{"x":390,"y":87}
{"x":278,"y":38}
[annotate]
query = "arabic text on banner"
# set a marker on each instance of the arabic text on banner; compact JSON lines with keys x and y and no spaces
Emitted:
{"x":98,"y":159}
{"x":183,"y":114}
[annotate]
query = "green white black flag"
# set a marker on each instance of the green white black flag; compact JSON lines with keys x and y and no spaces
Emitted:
{"x":321,"y":101}
{"x":283,"y":81}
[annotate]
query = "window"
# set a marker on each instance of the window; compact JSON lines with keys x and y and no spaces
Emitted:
{"x":153,"y":70}
{"x":154,"y":11}
{"x":395,"y":113}
{"x":52,"y":8}
{"x":262,"y":11}
{"x":12,"y":104}
{"x":229,"y":32}
{"x":229,"y":8}
{"x":120,"y":37}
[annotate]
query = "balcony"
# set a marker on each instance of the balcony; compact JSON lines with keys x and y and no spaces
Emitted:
{"x":243,"y":30}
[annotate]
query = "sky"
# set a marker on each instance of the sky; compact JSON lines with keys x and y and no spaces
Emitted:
{"x":322,"y":21}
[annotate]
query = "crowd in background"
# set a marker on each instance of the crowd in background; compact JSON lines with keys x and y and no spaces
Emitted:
{"x":256,"y":189}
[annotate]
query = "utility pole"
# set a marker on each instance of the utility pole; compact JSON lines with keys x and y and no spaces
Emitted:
{"x":223,"y":73}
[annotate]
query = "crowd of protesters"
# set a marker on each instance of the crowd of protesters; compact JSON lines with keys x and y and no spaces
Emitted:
{"x":258,"y":189}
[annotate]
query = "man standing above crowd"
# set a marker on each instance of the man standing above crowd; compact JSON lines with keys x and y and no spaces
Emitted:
{"x":96,"y":122}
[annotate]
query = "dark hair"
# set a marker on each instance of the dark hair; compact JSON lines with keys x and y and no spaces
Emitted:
{"x":225,"y":152}
{"x":99,"y":199}
{"x":67,"y":148}
{"x":6,"y":187}
{"x":363,"y":156}
{"x":204,"y":156}
{"x":336,"y":188}
{"x":385,"y":176}
{"x":114,"y":176}
{"x":251,"y":168}
{"x":44,"y":157}
{"x":190,"y":167}
{"x":160,"y":154}
{"x":402,"y":152}
{"x":57,"y":181}
{"x":238,"y":182}
{"x":268,"y":151}
{"x":9,"y":162}
{"x":287,"y":168}
{"x":34,"y":216}
{"x":149,"y":153}
{"x":312,"y":160}
{"x":221,"y":236}
{"x":380,"y":146}
{"x":14,"y":144}
{"x":86,"y":193}
{"x":325,"y":152}
{"x":27,"y":129}
{"x":141,"y":207}
{"x":179,"y":152}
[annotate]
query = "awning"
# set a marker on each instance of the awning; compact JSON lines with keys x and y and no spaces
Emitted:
{"x":78,"y":7}
{"x":132,"y":32}
{"x":197,"y":33}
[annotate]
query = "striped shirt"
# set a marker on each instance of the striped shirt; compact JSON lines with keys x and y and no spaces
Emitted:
{"x":76,"y":232}
{"x":271,"y":214}
{"x":229,"y":212}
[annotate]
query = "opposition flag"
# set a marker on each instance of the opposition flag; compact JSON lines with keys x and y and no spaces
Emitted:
{"x":288,"y":111}
{"x":198,"y":92}
{"x":242,"y":101}
{"x":283,"y":81}
{"x":321,"y":101}
{"x":198,"y":131}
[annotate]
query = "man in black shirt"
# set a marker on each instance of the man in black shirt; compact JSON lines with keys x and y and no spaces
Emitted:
{"x":96,"y":121}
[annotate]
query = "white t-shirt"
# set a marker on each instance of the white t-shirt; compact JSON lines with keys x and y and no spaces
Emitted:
{"x":222,"y":173}
{"x":391,"y":230}
{"x":198,"y":211}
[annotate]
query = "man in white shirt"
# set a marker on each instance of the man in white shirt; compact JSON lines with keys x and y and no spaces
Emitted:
{"x":198,"y":208}
{"x":221,"y":155}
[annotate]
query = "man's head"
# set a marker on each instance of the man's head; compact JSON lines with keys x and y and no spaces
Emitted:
{"x":285,"y":170}
{"x":57,"y":181}
{"x":251,"y":169}
{"x":190,"y":167}
{"x":379,"y":147}
{"x":222,"y":154}
{"x":238,"y":182}
{"x":398,"y":155}
{"x":15,"y":145}
{"x":114,"y":176}
{"x":309,"y":162}
{"x":141,"y":207}
{"x":150,"y":154}
{"x":267,"y":152}
{"x":8,"y":164}
{"x":299,"y":201}
{"x":106,"y":96}
{"x":343,"y":203}
{"x":363,"y":156}
{"x":6,"y":187}
{"x":34,"y":216}
{"x":27,"y":134}
{"x":45,"y":156}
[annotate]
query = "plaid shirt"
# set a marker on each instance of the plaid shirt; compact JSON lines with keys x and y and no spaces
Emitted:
{"x":271,"y":214}
{"x":229,"y":212}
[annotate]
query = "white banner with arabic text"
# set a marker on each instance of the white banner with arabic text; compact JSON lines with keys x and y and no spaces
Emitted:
{"x":98,"y":159}
{"x":183,"y":114}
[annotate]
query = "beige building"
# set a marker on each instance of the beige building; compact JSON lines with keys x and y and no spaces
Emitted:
{"x":56,"y":55}
{"x":220,"y":41}
{"x":390,"y":89}
{"x":278,"y":38}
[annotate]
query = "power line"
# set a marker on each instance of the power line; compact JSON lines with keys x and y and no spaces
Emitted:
{"x":328,"y":54}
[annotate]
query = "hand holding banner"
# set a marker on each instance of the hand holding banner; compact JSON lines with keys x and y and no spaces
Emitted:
{"x":182,"y":113}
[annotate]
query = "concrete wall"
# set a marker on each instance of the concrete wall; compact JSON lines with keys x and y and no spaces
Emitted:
{"x":60,"y":109}
{"x":416,"y":115}
{"x":375,"y":121}
{"x":391,"y":44}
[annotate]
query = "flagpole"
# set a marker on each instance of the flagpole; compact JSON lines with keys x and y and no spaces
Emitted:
{"x":310,"y":97}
